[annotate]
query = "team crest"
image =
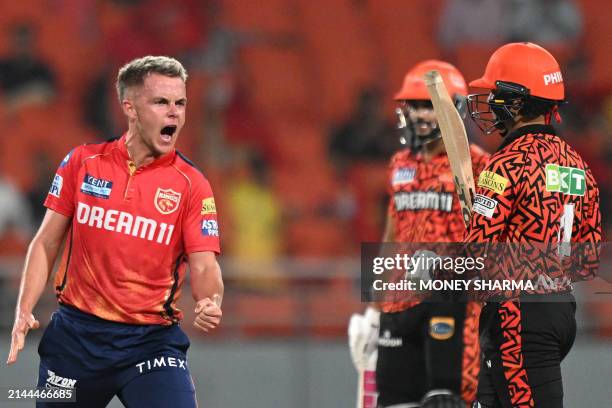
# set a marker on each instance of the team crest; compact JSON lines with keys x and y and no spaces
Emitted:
{"x":166,"y":200}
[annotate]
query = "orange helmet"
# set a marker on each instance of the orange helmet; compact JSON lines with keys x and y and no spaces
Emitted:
{"x":526,"y":64}
{"x":414,"y":85}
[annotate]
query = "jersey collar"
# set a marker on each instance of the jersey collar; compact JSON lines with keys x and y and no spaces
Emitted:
{"x":527,"y":130}
{"x":164,"y":160}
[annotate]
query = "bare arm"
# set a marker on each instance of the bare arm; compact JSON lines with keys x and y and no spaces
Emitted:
{"x":39,"y":261}
{"x":389,"y":233}
{"x":207,"y":289}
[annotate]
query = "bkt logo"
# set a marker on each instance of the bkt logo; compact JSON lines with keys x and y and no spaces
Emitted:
{"x":568,"y":180}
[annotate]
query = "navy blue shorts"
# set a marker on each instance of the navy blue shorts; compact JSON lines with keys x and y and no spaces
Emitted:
{"x":144,"y":365}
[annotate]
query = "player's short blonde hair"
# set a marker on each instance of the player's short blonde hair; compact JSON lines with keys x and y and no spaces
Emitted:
{"x":134,"y":72}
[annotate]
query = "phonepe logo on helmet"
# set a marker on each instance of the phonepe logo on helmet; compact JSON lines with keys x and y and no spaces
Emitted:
{"x":553,"y":78}
{"x":568,"y":180}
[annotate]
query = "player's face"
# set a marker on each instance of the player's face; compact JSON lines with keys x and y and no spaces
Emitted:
{"x":159,"y":112}
{"x":422,"y":117}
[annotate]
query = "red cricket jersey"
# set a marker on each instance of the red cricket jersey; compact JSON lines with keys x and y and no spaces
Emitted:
{"x":424,"y":203}
{"x":125,"y":254}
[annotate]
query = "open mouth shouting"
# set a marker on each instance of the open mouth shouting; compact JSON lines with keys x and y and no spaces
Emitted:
{"x":167,"y":132}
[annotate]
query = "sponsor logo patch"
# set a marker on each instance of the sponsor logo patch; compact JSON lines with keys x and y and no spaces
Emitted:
{"x":208,"y":206}
{"x":492,"y":181}
{"x":568,"y":180}
{"x":56,"y":186}
{"x":553,"y":78}
{"x":387,"y":341}
{"x":423,"y":200}
{"x":441,"y":328}
{"x":484,"y":205}
{"x":54,"y":380}
{"x":96,"y":187}
{"x":403,"y":175}
{"x":124,"y":222}
{"x":166,"y":200}
{"x":210,"y":228}
{"x":148,"y":365}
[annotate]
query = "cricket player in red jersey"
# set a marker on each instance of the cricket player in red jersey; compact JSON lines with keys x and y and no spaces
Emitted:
{"x":536,"y":190}
{"x":133,"y":212}
{"x":427,"y":352}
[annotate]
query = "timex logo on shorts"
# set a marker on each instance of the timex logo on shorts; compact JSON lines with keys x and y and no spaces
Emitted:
{"x":158,"y":362}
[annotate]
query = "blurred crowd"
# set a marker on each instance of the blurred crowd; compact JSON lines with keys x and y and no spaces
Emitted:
{"x":290,"y":113}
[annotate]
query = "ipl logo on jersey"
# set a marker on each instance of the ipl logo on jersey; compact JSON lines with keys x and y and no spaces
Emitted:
{"x":167,"y":200}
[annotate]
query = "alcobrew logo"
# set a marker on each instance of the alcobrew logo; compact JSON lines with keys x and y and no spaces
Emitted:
{"x":568,"y":180}
{"x":492,"y":181}
{"x":167,"y":200}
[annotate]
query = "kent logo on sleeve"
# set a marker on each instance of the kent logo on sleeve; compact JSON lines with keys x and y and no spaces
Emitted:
{"x":568,"y":180}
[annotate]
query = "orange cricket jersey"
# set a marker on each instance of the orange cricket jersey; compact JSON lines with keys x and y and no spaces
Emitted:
{"x":131,"y":230}
{"x":536,"y":189}
{"x":424,"y":203}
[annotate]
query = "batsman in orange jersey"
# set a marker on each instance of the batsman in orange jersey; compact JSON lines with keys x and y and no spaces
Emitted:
{"x":535,"y":190}
{"x":427,"y":351}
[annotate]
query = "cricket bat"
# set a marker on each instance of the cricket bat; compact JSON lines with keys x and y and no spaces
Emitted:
{"x":455,"y":141}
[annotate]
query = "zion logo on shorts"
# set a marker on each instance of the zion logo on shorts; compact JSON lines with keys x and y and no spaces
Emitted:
{"x":55,"y":380}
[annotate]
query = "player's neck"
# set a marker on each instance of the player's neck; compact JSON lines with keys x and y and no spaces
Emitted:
{"x":432,"y":149}
{"x":520,"y":122}
{"x":139,"y":153}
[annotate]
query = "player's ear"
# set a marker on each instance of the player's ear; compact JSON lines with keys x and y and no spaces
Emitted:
{"x":129,"y":109}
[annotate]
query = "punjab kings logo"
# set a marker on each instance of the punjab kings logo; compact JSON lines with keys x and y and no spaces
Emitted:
{"x":166,"y":200}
